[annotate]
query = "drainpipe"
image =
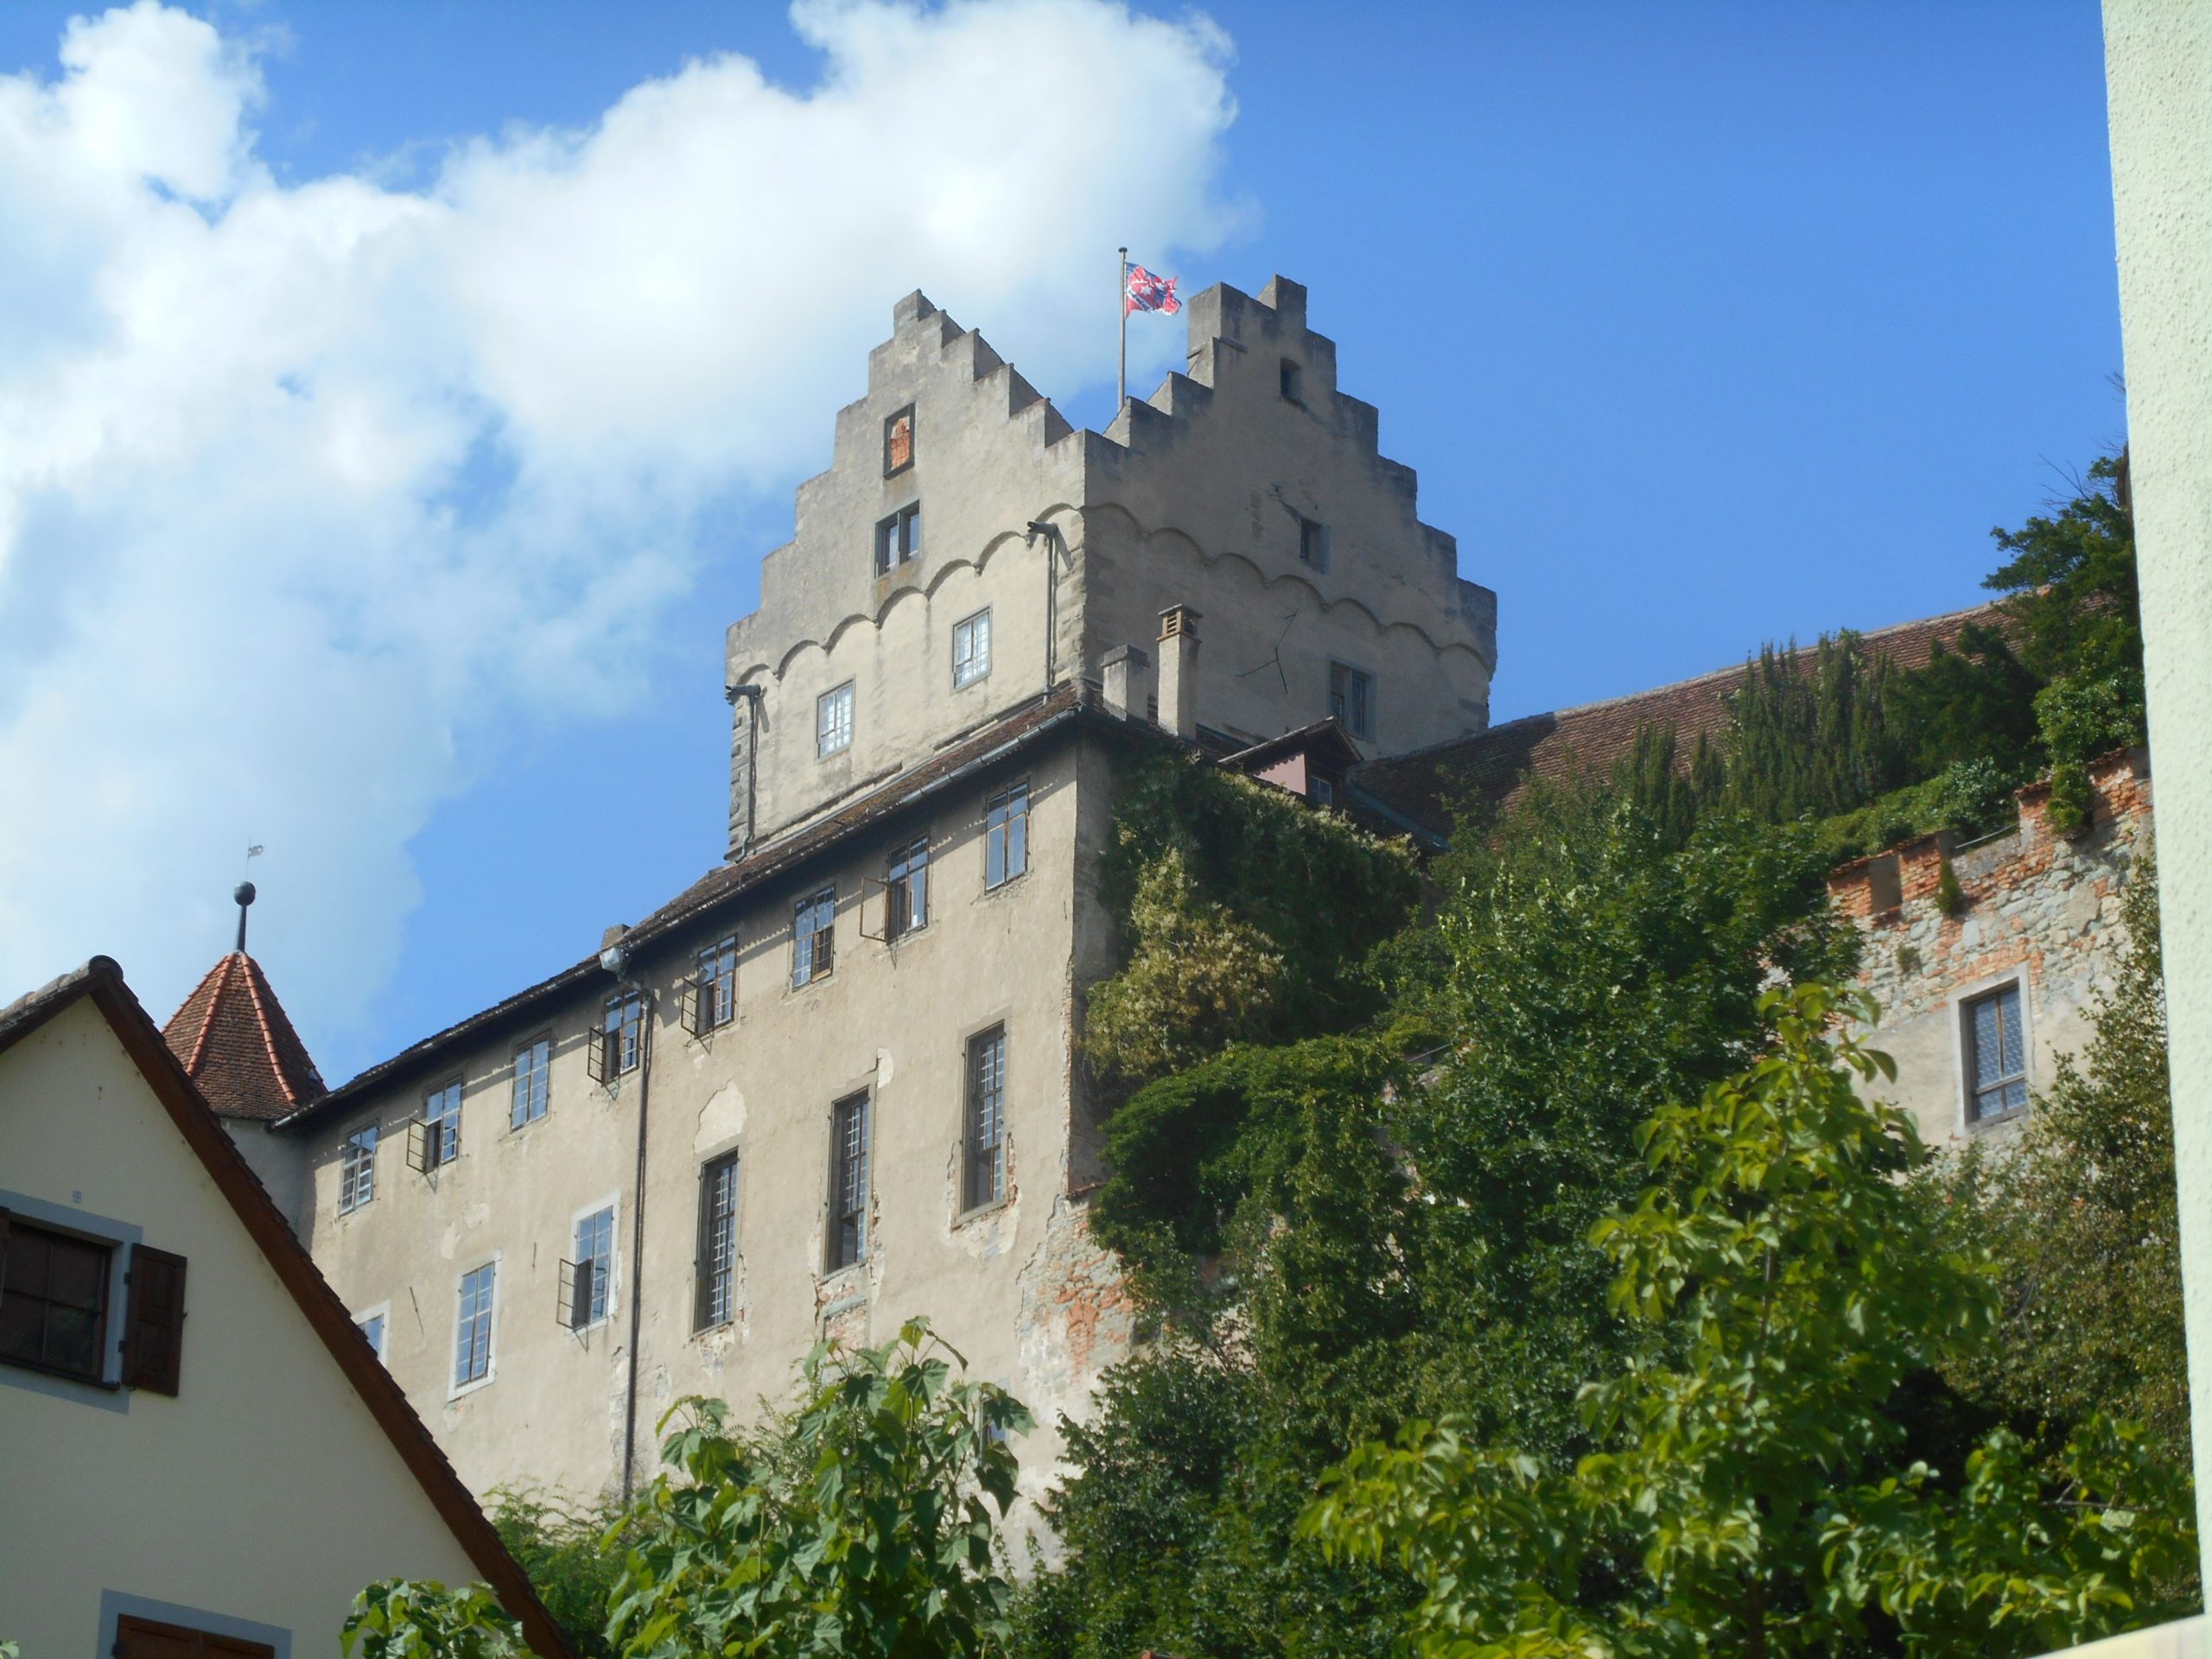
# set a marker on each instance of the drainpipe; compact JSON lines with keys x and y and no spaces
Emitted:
{"x":616,"y":960}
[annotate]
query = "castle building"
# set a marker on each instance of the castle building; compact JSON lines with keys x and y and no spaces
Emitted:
{"x":833,"y":1083}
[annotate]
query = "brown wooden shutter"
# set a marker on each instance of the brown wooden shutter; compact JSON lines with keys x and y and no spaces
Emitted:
{"x":153,"y":1343}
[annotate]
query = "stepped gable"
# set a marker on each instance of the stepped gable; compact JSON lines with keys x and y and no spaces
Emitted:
{"x":236,"y":1043}
{"x":1491,"y":769}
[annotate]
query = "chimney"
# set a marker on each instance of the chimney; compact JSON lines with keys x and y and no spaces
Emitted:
{"x":1179,"y":670}
{"x":1127,"y":673}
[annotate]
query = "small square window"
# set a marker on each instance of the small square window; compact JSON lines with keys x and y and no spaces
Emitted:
{"x":1997,"y":1059}
{"x":1351,"y":699}
{"x":1006,"y":835}
{"x":372,"y":1331}
{"x":53,"y":1301}
{"x":357,"y":1170}
{"x":1313,"y":544}
{"x":906,"y":890}
{"x":814,"y":937}
{"x":833,"y":721}
{"x":898,"y":441}
{"x":533,"y":1081}
{"x":1293,"y":382}
{"x":971,"y":650}
{"x":442,"y":1125}
{"x":898,"y":538}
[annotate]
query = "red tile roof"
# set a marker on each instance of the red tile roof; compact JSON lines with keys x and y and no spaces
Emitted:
{"x":238,"y":1044}
{"x":1491,"y":768}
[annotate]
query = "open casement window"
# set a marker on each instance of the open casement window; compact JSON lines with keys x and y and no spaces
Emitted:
{"x":147,"y":1638}
{"x":1997,"y":1059}
{"x":433,"y":1138}
{"x":54,"y":1299}
{"x":986,"y":1119}
{"x":717,"y":1267}
{"x":153,"y":1320}
{"x":587,"y":1279}
{"x":898,"y":538}
{"x":899,"y":904}
{"x":709,"y":998}
{"x":814,"y":937}
{"x":618,"y":1047}
{"x":1006,"y":835}
{"x":848,"y":1182}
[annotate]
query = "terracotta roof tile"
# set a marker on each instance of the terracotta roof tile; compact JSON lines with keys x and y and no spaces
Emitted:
{"x":238,"y":1044}
{"x":1493,"y":767}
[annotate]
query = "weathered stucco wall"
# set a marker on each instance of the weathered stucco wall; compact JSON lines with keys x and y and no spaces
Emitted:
{"x":263,"y":1491}
{"x":2040,"y":911}
{"x":1017,"y":1287}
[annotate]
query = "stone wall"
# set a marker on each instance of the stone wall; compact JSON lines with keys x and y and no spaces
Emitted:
{"x":2038,"y":911}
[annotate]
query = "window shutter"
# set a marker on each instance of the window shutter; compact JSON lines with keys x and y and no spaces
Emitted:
{"x":153,"y":1344}
{"x":596,"y":1066}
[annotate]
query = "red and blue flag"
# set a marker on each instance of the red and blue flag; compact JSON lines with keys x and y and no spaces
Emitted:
{"x":1147,"y":292}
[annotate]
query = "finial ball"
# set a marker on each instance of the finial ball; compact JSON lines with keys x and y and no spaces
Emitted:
{"x":243,"y":894}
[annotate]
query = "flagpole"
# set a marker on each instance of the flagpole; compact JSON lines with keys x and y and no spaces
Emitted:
{"x":1121,"y":305}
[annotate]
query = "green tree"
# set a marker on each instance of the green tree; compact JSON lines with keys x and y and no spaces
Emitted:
{"x":573,"y":1555}
{"x":1753,"y":1490}
{"x":2083,"y":1219}
{"x":862,"y":1521}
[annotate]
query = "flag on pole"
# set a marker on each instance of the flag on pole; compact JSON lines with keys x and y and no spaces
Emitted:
{"x":1142,"y":291}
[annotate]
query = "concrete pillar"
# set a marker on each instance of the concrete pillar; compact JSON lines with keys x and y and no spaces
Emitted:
{"x":2159,"y":88}
{"x":1128,"y":675}
{"x":1179,"y":670}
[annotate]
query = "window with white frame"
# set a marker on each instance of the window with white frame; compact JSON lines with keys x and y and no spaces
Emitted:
{"x":371,"y":1327}
{"x":357,"y":1169}
{"x":848,"y":1188}
{"x":717,"y":1291}
{"x":1351,"y":699}
{"x":718,"y":984}
{"x":622,"y":1034}
{"x":442,"y":1125}
{"x":833,"y":721}
{"x":906,"y":890}
{"x":1006,"y":835}
{"x":971,"y":649}
{"x":986,"y":1118}
{"x":472,"y":1344}
{"x":533,"y":1081}
{"x":1996,"y":1056}
{"x":814,"y":937}
{"x":594,"y":1259}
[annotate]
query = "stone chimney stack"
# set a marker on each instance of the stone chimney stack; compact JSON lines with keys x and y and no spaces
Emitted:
{"x":1179,"y":670}
{"x":1127,"y":674}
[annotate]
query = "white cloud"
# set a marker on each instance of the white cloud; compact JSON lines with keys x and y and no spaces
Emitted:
{"x":236,"y":597}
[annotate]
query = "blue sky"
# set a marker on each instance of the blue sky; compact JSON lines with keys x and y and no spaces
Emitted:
{"x":1704,"y":325}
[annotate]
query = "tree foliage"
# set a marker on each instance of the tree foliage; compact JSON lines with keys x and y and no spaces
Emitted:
{"x":2083,"y":1219}
{"x":862,"y":1521}
{"x":1753,"y":1488}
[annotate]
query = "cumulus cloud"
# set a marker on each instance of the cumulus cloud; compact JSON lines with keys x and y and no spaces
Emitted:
{"x":306,"y":491}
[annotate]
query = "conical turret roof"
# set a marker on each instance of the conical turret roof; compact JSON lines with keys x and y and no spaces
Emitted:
{"x":238,"y":1044}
